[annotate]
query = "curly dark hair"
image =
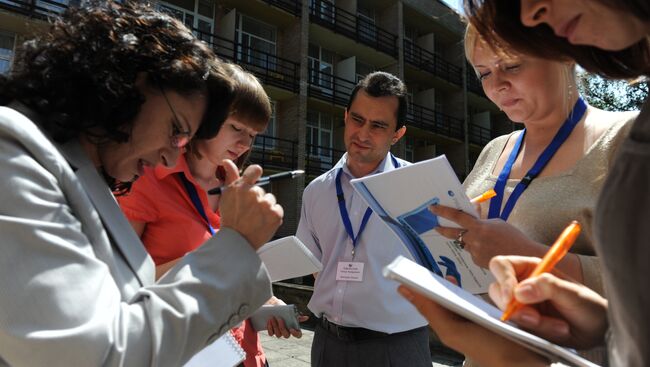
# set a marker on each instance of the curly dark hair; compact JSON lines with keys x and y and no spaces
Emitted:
{"x":80,"y":75}
{"x":499,"y":21}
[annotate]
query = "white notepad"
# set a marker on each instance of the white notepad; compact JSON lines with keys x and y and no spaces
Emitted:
{"x":287,"y":258}
{"x":475,"y":309}
{"x":224,"y":352}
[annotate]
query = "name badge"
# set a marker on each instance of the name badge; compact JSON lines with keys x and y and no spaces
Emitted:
{"x":350,"y":271}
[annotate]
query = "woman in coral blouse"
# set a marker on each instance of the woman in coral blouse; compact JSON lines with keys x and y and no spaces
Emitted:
{"x":170,"y":209}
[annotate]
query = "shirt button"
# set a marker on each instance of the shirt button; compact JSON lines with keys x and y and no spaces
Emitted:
{"x":340,"y":291}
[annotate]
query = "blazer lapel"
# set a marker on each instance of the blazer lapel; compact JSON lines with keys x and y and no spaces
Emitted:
{"x":124,"y":238}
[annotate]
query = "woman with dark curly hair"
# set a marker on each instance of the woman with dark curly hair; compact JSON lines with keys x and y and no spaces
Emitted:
{"x":611,"y":38}
{"x":109,"y":90}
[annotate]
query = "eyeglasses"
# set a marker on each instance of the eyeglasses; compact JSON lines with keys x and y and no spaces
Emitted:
{"x":179,"y":138}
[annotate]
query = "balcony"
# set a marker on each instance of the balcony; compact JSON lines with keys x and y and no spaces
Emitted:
{"x":352,"y":26}
{"x":271,"y":69}
{"x":479,"y":135}
{"x":473,"y":84}
{"x":293,"y":7}
{"x":274,"y":153}
{"x":40,"y":9}
{"x":435,"y":122}
{"x":330,"y":88}
{"x":321,"y":159}
{"x":432,"y":63}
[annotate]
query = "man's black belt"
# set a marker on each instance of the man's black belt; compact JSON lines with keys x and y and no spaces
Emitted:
{"x":347,"y":333}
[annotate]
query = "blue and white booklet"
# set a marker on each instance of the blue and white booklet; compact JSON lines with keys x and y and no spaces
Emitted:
{"x":401,"y":198}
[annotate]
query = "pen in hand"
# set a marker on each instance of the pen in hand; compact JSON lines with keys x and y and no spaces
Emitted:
{"x":484,"y":197}
{"x":552,"y":257}
{"x":264,"y":180}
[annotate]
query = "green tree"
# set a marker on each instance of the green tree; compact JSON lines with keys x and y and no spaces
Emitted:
{"x":612,"y":95}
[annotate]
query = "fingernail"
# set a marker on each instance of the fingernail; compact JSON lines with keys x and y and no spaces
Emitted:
{"x":526,"y":293}
{"x":561,"y":329}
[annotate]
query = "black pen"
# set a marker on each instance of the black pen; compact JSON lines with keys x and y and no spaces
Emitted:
{"x":264,"y":180}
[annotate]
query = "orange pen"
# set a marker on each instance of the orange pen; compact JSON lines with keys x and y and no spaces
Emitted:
{"x":552,"y":257}
{"x":484,"y":196}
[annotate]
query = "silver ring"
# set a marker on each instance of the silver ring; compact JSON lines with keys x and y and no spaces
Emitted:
{"x":459,"y":239}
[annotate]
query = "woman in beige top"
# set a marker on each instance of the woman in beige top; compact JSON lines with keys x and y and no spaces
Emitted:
{"x":541,"y":94}
{"x":613,"y":39}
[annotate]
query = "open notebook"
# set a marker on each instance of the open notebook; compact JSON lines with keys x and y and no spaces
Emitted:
{"x":224,"y":352}
{"x":287,"y":258}
{"x":476,"y":309}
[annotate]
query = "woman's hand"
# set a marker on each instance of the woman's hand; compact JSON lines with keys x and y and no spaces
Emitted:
{"x":481,"y":345}
{"x":486,"y":238}
{"x":246,"y":208}
{"x":276,"y":326}
{"x":559,"y":310}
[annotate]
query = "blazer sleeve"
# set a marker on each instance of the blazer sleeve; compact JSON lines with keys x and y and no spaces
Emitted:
{"x":60,"y":305}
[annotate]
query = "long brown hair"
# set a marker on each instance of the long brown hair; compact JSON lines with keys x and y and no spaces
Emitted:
{"x":500,"y":20}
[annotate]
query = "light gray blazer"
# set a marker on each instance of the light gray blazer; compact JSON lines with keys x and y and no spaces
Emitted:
{"x":76,"y":285}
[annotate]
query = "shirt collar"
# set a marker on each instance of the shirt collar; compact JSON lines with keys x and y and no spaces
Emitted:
{"x":385,"y":165}
{"x":161,"y":171}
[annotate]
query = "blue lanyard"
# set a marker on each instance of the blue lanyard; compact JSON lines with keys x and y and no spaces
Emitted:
{"x":560,"y":137}
{"x":344,"y":212}
{"x":194,"y":196}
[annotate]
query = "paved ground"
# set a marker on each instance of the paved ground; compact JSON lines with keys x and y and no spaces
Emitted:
{"x":294,"y":352}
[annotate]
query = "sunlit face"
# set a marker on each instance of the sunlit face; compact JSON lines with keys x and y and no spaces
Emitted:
{"x":586,"y":22}
{"x":233,"y":140}
{"x":370,"y":126}
{"x":525,"y":88}
{"x":151,"y":136}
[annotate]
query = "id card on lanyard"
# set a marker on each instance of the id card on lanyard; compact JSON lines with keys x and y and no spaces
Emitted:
{"x":560,"y":137}
{"x":351,"y":270}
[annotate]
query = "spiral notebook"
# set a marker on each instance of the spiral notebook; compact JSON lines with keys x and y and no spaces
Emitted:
{"x":224,"y":352}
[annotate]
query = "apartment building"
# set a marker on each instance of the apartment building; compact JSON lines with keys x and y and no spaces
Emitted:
{"x":309,"y":54}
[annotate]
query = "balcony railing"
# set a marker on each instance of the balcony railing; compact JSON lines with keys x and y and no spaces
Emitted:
{"x":40,"y":9}
{"x":274,"y":153}
{"x":434,"y":121}
{"x":290,"y":6}
{"x":432,"y":63}
{"x":473,"y":84}
{"x":362,"y":30}
{"x":320,"y":159}
{"x":271,"y":69}
{"x":479,"y":135}
{"x":329,"y":88}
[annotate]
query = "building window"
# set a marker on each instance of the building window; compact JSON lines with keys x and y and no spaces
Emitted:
{"x":7,"y":41}
{"x":321,"y":67}
{"x":262,"y":140}
{"x":323,"y":9}
{"x":199,"y":19}
{"x":319,"y":134}
{"x":257,"y":42}
{"x":366,"y":24}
